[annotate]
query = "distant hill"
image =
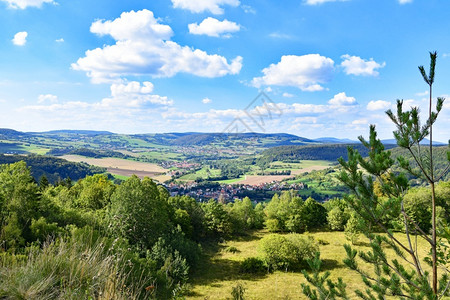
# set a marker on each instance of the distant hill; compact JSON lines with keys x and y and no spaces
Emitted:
{"x":424,"y":142}
{"x":53,"y":168}
{"x":81,"y":132}
{"x":330,"y":152}
{"x":201,"y":139}
{"x":332,"y":140}
{"x":6,"y":134}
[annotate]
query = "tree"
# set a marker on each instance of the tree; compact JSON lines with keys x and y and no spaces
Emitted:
{"x":360,"y":175}
{"x":138,"y":212}
{"x":19,"y":204}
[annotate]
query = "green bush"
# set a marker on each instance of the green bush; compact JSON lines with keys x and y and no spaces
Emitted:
{"x":286,"y":251}
{"x":253,"y":265}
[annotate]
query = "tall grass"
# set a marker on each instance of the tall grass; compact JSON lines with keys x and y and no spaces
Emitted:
{"x":64,"y":269}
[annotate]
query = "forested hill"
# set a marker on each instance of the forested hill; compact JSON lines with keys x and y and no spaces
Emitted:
{"x":53,"y":168}
{"x":329,"y":152}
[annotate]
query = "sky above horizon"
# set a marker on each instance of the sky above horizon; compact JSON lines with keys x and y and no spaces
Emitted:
{"x":313,"y":68}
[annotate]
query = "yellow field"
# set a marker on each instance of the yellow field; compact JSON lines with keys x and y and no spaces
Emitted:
{"x":122,"y":167}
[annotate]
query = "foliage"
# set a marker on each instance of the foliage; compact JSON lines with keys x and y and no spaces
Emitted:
{"x":378,"y":195}
{"x":53,"y":168}
{"x":329,"y":291}
{"x":238,"y":292}
{"x":286,"y":251}
{"x":253,"y":265}
{"x":69,"y":270}
{"x":244,"y":216}
{"x":138,"y":212}
{"x":289,"y":213}
{"x":217,"y":220}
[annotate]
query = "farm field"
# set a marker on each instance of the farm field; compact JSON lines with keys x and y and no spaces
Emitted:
{"x":120,"y":167}
{"x":219,"y":271}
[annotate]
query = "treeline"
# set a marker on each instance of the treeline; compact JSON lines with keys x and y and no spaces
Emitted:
{"x":312,"y":152}
{"x":87,"y":152}
{"x":54,"y":169}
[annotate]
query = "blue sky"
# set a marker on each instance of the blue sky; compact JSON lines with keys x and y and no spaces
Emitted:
{"x":327,"y":67}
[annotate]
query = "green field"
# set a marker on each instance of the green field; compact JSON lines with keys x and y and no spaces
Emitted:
{"x":219,"y":271}
{"x":202,"y":173}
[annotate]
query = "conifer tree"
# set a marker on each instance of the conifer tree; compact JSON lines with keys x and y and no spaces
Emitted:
{"x":403,"y":276}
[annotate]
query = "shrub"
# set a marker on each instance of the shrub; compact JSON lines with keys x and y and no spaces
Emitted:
{"x":286,"y":251}
{"x":238,"y":292}
{"x":273,"y":225}
{"x":253,"y":265}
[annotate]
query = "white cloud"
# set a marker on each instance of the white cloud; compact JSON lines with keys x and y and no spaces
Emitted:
{"x":360,"y":122}
{"x":20,"y":38}
{"x":307,"y":120}
{"x":287,"y":95}
{"x":214,"y":27}
{"x":125,"y":97}
{"x":306,"y":72}
{"x":61,"y":40}
{"x":22,"y":4}
{"x":378,"y":105}
{"x":355,"y":65}
{"x":206,"y":100}
{"x":248,"y":9}
{"x":425,"y":93}
{"x":48,"y":97}
{"x":342,"y":99}
{"x":143,"y":47}
{"x":405,"y":1}
{"x":199,"y":6}
{"x":281,"y":36}
{"x":316,"y":2}
{"x":134,"y":95}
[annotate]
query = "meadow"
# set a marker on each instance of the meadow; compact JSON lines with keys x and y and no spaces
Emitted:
{"x":220,"y":269}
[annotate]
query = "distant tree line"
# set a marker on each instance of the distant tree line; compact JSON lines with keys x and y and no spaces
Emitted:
{"x":54,"y":169}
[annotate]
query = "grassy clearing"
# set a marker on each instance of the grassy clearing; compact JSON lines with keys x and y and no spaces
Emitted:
{"x":219,"y":272}
{"x":202,"y":173}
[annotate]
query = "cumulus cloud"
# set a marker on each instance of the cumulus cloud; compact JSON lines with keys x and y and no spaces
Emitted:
{"x":47,"y":98}
{"x":143,"y":47}
{"x":213,"y":27}
{"x":199,"y":6}
{"x":20,"y":38}
{"x":405,"y":1}
{"x":316,"y":2}
{"x":378,"y":105}
{"x":134,"y":95}
{"x":125,"y":98}
{"x":22,"y":4}
{"x":206,"y":100}
{"x":342,"y":99}
{"x":355,"y":65}
{"x":288,"y":95}
{"x":306,"y":72}
{"x":61,"y":40}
